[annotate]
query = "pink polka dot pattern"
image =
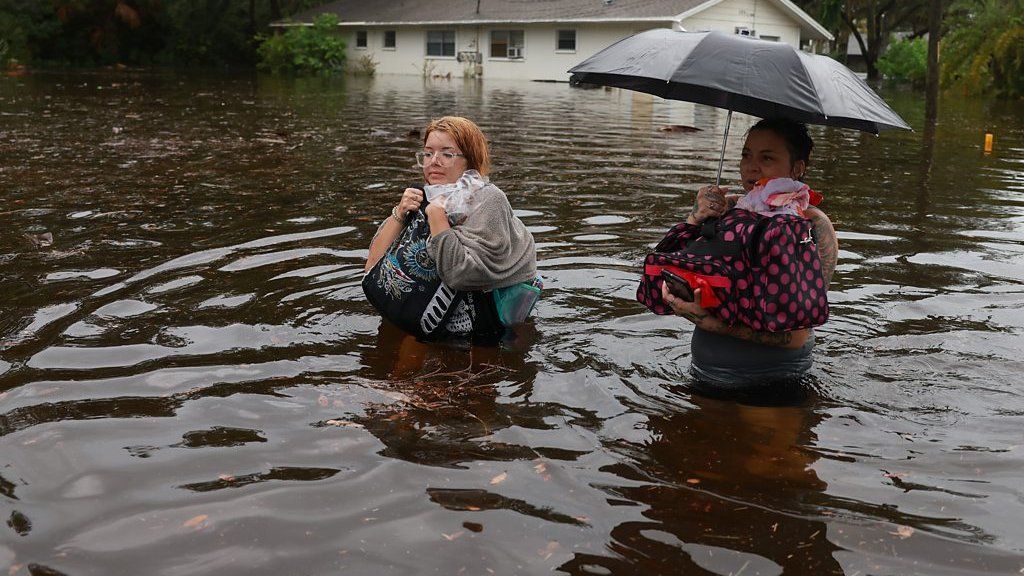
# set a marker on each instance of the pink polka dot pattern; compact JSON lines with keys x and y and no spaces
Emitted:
{"x":765,"y":271}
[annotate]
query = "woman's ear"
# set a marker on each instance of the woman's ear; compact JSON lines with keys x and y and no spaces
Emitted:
{"x":798,"y":169}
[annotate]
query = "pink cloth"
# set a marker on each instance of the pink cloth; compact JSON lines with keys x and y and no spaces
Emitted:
{"x":777,"y":196}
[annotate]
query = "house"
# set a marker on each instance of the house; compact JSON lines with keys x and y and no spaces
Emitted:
{"x":537,"y":39}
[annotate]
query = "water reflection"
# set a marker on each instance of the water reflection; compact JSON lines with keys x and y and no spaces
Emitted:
{"x":445,"y":408}
{"x":728,"y":488}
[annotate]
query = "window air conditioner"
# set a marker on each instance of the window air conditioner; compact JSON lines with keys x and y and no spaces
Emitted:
{"x":515,"y":52}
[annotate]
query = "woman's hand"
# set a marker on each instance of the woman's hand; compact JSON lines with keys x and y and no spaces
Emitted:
{"x":692,"y":311}
{"x":703,"y":319}
{"x":709,"y":203}
{"x":411,"y":200}
{"x":435,"y":209}
{"x":393,"y":225}
{"x":437,"y":218}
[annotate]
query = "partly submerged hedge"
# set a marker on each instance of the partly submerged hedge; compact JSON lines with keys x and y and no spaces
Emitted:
{"x":315,"y":49}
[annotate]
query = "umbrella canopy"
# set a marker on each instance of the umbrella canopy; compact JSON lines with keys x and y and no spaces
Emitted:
{"x":741,"y":74}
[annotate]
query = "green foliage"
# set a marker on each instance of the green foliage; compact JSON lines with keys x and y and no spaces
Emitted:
{"x":13,"y":41}
{"x":874,"y":21}
{"x":984,"y":49}
{"x":24,"y":25}
{"x":906,"y":61}
{"x":138,"y":32}
{"x":315,"y":49}
{"x":209,"y":33}
{"x":93,"y":32}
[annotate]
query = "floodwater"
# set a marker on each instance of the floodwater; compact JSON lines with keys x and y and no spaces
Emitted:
{"x":192,"y":383}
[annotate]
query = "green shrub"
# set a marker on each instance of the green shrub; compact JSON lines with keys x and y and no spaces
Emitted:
{"x":906,"y":61}
{"x":13,"y":40}
{"x":312,"y":49}
{"x":984,"y":49}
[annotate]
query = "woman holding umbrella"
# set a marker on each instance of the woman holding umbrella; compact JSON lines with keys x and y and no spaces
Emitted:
{"x":764,"y":79}
{"x":737,"y":356}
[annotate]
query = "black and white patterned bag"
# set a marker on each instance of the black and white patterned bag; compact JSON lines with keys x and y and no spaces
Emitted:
{"x":405,"y":287}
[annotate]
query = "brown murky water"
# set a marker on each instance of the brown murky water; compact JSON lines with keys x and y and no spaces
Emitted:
{"x":192,"y":383}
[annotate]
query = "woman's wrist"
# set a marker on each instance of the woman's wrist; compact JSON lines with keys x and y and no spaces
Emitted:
{"x":399,"y":217}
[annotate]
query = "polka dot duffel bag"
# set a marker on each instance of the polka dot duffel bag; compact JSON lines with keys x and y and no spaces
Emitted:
{"x":760,"y":271}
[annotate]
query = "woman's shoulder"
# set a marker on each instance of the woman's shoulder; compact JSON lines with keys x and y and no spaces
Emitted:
{"x":491,"y":194}
{"x":814,"y":214}
{"x":491,"y":189}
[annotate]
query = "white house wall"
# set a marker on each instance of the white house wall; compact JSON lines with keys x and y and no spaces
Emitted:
{"x":761,"y":16}
{"x":541,"y":60}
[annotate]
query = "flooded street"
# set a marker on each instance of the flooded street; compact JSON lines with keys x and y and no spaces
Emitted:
{"x":191,"y":381}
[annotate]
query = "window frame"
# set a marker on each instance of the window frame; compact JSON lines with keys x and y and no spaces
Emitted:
{"x":508,"y":44}
{"x":394,"y":40}
{"x":365,"y":35}
{"x":558,"y":41}
{"x":442,"y":32}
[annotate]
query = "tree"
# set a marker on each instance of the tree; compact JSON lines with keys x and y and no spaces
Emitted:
{"x":179,"y":32}
{"x":984,"y":49}
{"x":931,"y":104}
{"x":108,"y":30}
{"x":870,"y":22}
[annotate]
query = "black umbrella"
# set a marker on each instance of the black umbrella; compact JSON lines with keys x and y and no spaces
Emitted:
{"x":741,"y":74}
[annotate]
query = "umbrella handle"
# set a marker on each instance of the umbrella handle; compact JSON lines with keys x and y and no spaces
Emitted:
{"x":725,"y":138}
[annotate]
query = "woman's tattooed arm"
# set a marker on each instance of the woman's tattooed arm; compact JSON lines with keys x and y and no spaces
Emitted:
{"x":828,"y":244}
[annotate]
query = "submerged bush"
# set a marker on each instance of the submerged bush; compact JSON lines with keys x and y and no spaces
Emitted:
{"x":312,"y":49}
{"x":906,"y":61}
{"x":365,"y":65}
{"x":13,"y":40}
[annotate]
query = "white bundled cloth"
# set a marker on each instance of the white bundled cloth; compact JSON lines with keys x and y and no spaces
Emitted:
{"x":457,"y":199}
{"x":777,"y":196}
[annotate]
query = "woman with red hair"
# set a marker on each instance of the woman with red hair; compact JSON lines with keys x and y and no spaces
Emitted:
{"x":482,"y":249}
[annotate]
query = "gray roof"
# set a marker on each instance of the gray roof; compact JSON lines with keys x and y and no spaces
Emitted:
{"x":397,"y":12}
{"x":457,"y":11}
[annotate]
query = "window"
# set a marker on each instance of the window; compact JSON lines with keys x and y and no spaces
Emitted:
{"x":506,"y":44}
{"x":389,"y":39}
{"x":566,"y":41}
{"x":770,"y":38}
{"x":744,"y":31}
{"x":441,"y":43}
{"x":360,"y":38}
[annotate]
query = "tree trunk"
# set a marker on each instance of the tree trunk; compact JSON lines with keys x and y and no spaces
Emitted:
{"x":252,"y":18}
{"x":275,"y":10}
{"x":931,"y":103}
{"x":871,"y":51}
{"x":878,"y":35}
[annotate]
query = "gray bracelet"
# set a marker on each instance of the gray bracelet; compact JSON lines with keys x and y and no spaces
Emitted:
{"x":394,"y":214}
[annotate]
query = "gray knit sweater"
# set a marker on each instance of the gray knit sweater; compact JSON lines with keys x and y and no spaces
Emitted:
{"x":491,"y":249}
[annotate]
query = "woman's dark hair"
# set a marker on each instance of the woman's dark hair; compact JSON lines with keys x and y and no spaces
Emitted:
{"x":798,"y":142}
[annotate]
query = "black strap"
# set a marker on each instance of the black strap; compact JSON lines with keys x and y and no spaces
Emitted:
{"x":711,"y":244}
{"x":715,"y":247}
{"x":755,"y":236}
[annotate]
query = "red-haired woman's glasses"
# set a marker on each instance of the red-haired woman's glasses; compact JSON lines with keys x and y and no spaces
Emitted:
{"x":444,"y":158}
